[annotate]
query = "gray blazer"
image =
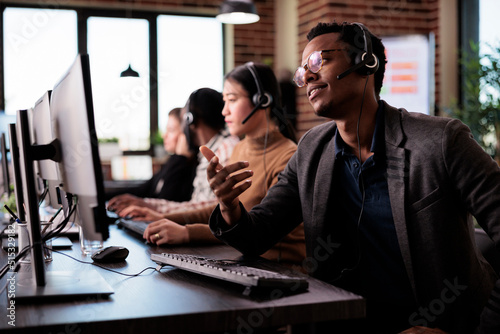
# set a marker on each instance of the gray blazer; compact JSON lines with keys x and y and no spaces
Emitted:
{"x":438,"y":176}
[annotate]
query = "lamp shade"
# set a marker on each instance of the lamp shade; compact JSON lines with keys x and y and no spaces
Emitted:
{"x":238,"y":12}
{"x":129,"y":72}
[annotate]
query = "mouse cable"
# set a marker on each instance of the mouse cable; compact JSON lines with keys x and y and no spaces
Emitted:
{"x":101,"y":266}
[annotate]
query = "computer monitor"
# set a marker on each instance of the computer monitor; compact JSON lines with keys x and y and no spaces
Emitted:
{"x":18,"y":185}
{"x":47,"y":170}
{"x":43,"y":134}
{"x":75,"y":149}
{"x":73,"y":123}
{"x":5,"y":166}
{"x":29,"y":188}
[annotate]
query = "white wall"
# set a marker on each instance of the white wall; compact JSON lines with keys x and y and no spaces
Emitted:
{"x":286,"y":41}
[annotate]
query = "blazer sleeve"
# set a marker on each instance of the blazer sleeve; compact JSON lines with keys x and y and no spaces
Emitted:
{"x":268,"y":222}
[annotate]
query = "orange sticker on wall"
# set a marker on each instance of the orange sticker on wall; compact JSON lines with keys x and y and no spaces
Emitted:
{"x":403,"y":89}
{"x":404,"y":65}
{"x":404,"y":77}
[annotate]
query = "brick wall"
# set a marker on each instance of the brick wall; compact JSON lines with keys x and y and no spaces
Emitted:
{"x":255,"y":42}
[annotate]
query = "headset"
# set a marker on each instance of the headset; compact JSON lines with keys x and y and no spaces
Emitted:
{"x":188,"y":120}
{"x":365,"y":62}
{"x":261,"y":99}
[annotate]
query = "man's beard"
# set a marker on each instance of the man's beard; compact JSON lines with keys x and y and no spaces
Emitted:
{"x":324,"y":110}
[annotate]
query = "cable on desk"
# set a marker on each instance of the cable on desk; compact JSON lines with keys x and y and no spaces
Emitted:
{"x":55,"y":232}
{"x":103,"y":267}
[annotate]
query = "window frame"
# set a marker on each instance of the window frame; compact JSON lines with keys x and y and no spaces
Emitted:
{"x":83,"y":13}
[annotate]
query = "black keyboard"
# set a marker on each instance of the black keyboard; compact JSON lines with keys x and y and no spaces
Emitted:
{"x":232,"y":271}
{"x":137,"y":226}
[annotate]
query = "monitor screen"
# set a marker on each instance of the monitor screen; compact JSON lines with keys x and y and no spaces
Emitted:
{"x":80,"y":166}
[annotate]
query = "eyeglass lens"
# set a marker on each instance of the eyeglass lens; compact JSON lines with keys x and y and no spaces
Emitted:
{"x":314,"y":63}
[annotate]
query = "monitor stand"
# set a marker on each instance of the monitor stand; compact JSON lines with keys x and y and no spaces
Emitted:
{"x":60,"y":284}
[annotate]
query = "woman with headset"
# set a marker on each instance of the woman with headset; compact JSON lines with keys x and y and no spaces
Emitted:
{"x":203,"y":124}
{"x":253,"y":111}
{"x":174,"y":181}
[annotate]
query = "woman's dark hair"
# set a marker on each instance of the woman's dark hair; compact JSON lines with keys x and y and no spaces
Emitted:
{"x":244,"y":77}
{"x":206,"y":104}
{"x":349,"y":33}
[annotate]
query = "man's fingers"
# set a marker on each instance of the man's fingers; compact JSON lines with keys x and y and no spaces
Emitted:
{"x":236,"y":166}
{"x":224,"y":184}
{"x":207,"y":153}
{"x":235,"y":192}
{"x":214,"y":166}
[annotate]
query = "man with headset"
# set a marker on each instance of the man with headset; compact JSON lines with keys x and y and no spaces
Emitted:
{"x":386,"y":198}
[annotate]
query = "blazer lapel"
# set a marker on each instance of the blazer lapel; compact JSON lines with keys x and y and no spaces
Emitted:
{"x":397,"y":178}
{"x":323,"y":181}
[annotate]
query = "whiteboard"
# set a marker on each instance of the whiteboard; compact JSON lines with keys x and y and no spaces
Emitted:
{"x":409,"y":74}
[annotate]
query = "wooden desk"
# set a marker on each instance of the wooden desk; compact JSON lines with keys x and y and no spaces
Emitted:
{"x":172,"y":301}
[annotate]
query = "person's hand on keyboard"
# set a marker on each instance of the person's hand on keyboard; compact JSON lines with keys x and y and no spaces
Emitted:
{"x":118,"y":203}
{"x":165,"y":231}
{"x":136,"y":212}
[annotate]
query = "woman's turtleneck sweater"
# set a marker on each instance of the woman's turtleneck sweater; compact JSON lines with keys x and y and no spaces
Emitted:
{"x":266,"y":160}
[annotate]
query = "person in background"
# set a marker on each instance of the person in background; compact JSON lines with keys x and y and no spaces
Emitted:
{"x":386,"y":197}
{"x":253,"y":111}
{"x":203,"y":124}
{"x":174,"y":181}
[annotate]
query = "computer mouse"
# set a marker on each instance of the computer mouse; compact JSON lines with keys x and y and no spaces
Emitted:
{"x":110,"y":254}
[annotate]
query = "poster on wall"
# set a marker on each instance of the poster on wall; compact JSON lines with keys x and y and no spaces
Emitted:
{"x":409,"y":74}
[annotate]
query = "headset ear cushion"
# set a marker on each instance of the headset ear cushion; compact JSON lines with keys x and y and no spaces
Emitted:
{"x":370,"y":67}
{"x":266,"y":98}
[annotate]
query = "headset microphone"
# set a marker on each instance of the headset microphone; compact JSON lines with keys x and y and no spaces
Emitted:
{"x":257,"y":107}
{"x":354,"y":68}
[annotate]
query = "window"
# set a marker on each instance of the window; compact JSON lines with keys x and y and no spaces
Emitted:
{"x":186,"y":51}
{"x":39,"y":45}
{"x":189,"y":57}
{"x":489,"y":27}
{"x":489,"y":33}
{"x":121,"y":104}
